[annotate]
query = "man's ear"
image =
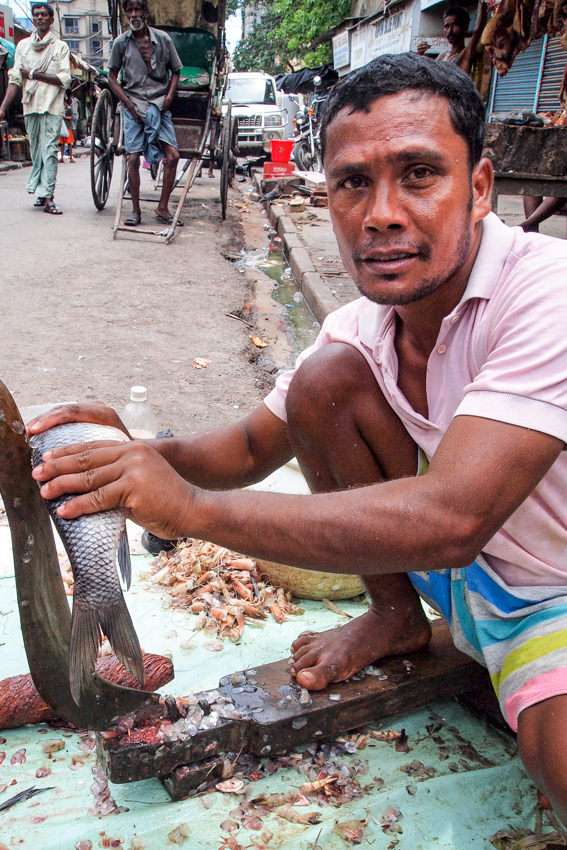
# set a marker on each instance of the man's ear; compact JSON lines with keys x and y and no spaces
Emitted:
{"x":482,"y":185}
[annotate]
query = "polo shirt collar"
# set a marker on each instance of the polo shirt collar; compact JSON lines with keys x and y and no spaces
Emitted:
{"x":495,"y":246}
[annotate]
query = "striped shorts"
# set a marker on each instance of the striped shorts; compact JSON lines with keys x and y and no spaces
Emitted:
{"x":518,"y":633}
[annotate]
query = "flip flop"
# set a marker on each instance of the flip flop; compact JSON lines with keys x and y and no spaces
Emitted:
{"x":133,"y":220}
{"x":52,"y":209}
{"x":40,"y":202}
{"x":164,"y":219}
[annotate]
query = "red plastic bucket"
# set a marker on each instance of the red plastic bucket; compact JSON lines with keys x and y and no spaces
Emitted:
{"x":280,"y":149}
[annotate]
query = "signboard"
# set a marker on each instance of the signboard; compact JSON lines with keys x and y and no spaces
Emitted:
{"x":341,"y":55}
{"x":391,"y":34}
{"x":358,"y":48}
{"x":6,"y":23}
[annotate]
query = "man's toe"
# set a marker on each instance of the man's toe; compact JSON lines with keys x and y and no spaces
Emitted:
{"x":316,"y":678}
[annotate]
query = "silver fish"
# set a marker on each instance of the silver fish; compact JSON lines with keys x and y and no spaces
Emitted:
{"x":92,"y":543}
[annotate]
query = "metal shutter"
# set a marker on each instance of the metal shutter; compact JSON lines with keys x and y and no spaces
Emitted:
{"x":555,"y":60}
{"x":517,"y":91}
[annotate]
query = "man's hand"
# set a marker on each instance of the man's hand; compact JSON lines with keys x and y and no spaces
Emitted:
{"x":95,"y":412}
{"x":25,"y":72}
{"x":108,"y":475}
{"x":423,"y":47}
{"x":132,"y":110}
{"x":167,"y":104}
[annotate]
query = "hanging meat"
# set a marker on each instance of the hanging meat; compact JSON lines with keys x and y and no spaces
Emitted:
{"x":516,"y":23}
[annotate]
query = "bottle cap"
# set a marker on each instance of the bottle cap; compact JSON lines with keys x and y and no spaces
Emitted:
{"x":138,"y":394}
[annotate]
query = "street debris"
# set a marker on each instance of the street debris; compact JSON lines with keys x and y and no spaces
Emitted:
{"x":201,"y":362}
{"x":259,"y":343}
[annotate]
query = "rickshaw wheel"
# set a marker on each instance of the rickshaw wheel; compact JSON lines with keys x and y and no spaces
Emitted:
{"x":102,"y":149}
{"x":228,"y":159}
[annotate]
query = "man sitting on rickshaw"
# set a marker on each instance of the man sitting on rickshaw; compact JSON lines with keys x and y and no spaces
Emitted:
{"x":150,"y":69}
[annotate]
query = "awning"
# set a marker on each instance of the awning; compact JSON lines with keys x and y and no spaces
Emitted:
{"x":7,"y":52}
{"x":301,"y":82}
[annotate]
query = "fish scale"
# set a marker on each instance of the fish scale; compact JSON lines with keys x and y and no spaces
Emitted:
{"x":92,"y":543}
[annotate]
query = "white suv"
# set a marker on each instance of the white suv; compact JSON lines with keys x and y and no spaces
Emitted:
{"x":256,"y":105}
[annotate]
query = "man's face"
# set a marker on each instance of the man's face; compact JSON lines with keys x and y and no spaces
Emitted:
{"x":42,"y":20}
{"x":453,"y":30}
{"x":400,"y":197}
{"x":137,"y":16}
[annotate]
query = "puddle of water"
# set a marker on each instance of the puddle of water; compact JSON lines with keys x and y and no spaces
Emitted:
{"x":301,"y":325}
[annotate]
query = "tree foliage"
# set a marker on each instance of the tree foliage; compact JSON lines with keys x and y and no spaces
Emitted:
{"x":286,"y":38}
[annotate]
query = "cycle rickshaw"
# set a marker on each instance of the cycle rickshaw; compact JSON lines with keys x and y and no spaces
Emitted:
{"x":197,"y":28}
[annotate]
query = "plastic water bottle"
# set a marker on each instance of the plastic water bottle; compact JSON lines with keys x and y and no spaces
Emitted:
{"x":138,"y":415}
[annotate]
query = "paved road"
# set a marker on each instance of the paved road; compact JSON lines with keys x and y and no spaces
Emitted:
{"x":86,"y":317}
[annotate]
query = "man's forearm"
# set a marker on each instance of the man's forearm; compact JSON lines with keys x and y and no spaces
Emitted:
{"x":223,"y":458}
{"x":51,"y":79}
{"x":366,"y":531}
{"x":117,"y":90}
{"x":173,"y":83}
{"x":11,"y":92}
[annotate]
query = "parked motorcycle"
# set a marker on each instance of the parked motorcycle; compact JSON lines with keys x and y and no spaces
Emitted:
{"x":307,"y":146}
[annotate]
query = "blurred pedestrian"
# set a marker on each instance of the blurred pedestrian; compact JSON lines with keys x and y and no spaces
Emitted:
{"x":67,"y":141}
{"x":42,"y":71}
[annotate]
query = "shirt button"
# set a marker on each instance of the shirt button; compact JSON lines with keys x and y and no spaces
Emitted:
{"x":442,"y":349}
{"x":454,"y":319}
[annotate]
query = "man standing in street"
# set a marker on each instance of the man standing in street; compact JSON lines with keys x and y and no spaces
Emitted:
{"x":150,"y":73}
{"x":42,"y":71}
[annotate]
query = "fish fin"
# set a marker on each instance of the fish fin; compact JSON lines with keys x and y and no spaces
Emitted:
{"x":124,"y":561}
{"x":85,"y":640}
{"x":117,"y":625}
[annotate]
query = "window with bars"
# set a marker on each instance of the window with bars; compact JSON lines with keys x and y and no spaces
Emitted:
{"x":70,"y":26}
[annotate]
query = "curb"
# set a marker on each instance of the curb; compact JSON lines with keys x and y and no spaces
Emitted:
{"x":12,"y":165}
{"x":313,"y":288}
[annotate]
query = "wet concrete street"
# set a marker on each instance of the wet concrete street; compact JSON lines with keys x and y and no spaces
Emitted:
{"x":86,"y":316}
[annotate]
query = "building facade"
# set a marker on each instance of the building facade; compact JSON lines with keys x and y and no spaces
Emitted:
{"x":85,"y":26}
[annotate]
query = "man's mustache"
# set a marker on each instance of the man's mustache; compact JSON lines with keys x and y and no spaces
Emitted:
{"x":369,"y":250}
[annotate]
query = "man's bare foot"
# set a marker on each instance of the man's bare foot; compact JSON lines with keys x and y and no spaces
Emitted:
{"x":335,"y":655}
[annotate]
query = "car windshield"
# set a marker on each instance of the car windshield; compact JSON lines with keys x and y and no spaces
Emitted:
{"x":250,"y":90}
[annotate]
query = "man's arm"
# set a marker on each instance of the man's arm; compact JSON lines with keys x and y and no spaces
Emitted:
{"x":11,"y":91}
{"x":231,"y":456}
{"x":481,"y":473}
{"x":467,"y":59}
{"x":171,"y":89}
{"x":62,"y":78}
{"x":117,"y":89}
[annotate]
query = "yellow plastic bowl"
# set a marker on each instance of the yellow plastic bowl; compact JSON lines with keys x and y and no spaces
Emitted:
{"x":309,"y":584}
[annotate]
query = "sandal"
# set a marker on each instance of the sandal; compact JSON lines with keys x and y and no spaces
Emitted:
{"x":40,"y":202}
{"x":164,"y":219}
{"x":133,"y":220}
{"x":52,"y":208}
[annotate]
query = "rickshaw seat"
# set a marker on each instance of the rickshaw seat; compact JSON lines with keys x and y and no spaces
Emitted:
{"x":196,"y":49}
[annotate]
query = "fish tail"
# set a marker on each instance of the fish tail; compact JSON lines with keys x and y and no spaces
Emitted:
{"x":85,"y":640}
{"x":117,"y":625}
{"x":87,"y":629}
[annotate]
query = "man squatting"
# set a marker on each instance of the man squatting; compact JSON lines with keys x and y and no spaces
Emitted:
{"x":150,"y":73}
{"x":43,"y":73}
{"x":452,"y":365}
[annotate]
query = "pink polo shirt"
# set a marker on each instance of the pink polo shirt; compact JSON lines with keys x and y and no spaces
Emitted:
{"x":500,"y":354}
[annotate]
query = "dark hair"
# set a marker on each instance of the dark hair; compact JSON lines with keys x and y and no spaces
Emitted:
{"x":48,"y":6}
{"x":396,"y":73}
{"x":460,"y":14}
{"x":143,"y":3}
